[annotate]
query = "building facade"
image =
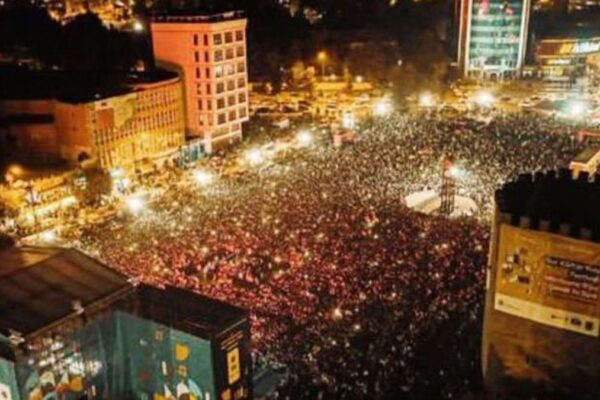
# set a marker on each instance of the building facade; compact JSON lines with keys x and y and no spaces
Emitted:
{"x":542,"y":312}
{"x":210,"y":52}
{"x":139,"y":124}
{"x":492,"y":38}
{"x":569,"y":61}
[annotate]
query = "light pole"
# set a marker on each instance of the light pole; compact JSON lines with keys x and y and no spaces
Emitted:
{"x":322,"y":57}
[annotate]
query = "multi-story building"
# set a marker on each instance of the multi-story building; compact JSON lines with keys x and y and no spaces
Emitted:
{"x":137,"y":123}
{"x":492,"y":38}
{"x":542,"y":312}
{"x":210,"y":51}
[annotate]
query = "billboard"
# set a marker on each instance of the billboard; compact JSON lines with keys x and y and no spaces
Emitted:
{"x":549,"y":279}
{"x":164,"y":363}
{"x":232,"y":358}
{"x":496,"y":37}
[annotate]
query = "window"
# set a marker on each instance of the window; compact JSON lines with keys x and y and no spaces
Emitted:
{"x":206,"y":59}
{"x":218,"y":55}
{"x":198,"y":89}
{"x":200,"y":105}
{"x":197,"y":56}
{"x":239,"y":35}
{"x":206,"y":40}
{"x":229,"y":69}
{"x":221,"y":119}
{"x":220,"y":103}
{"x":217,"y":39}
{"x":241,"y":67}
{"x":241,"y":82}
{"x":228,"y":37}
{"x":209,"y":105}
{"x":208,"y":73}
{"x":229,"y":54}
{"x":243,"y":112}
{"x":195,"y":40}
{"x":218,"y":72}
{"x":232,"y":115}
{"x":220,"y":87}
{"x":208,"y":88}
{"x":242,"y":97}
{"x":197,"y":73}
{"x":231,"y":85}
{"x":240,"y":52}
{"x":231,"y":101}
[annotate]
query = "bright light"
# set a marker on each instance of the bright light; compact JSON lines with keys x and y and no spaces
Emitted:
{"x":135,"y":204}
{"x":576,"y":108}
{"x":359,"y":79}
{"x":255,"y":157}
{"x":455,"y":171}
{"x":48,"y":236}
{"x":116,"y":173}
{"x":138,"y":26}
{"x":304,"y":138}
{"x":348,"y":121}
{"x":337,"y":313}
{"x":484,"y":98}
{"x":322,"y":56}
{"x":426,"y":100}
{"x":383,"y":108}
{"x":203,"y":178}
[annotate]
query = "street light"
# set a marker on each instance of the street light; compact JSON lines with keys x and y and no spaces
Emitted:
{"x":138,"y":26}
{"x":426,"y":100}
{"x":135,"y":204}
{"x":48,"y":236}
{"x":484,"y":98}
{"x":203,"y":178}
{"x":322,"y":57}
{"x":348,"y":121}
{"x":255,"y":156}
{"x":576,"y":108}
{"x":382,"y":108}
{"x":304,"y":138}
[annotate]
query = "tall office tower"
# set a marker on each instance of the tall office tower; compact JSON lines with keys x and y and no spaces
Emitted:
{"x":542,"y":312}
{"x":492,"y":38}
{"x":210,"y":51}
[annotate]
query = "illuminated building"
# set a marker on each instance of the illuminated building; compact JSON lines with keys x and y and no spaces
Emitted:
{"x":211,"y":53}
{"x":72,"y":328}
{"x":492,"y":38}
{"x":542,"y":312}
{"x":134,"y":125}
{"x":569,"y":61}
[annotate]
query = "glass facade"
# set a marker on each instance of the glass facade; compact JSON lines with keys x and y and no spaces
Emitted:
{"x":495,"y":41}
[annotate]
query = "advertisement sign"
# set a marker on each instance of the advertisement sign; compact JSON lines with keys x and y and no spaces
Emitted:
{"x":549,"y":279}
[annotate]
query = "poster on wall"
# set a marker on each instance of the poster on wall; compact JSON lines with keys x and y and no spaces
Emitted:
{"x":549,"y":279}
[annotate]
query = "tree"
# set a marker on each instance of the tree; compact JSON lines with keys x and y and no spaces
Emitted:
{"x":97,"y":184}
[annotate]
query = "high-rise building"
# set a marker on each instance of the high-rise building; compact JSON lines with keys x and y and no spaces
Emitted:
{"x":210,"y":51}
{"x":492,"y":38}
{"x":542,"y":312}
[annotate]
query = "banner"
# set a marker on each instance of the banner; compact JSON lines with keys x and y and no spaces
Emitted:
{"x":549,"y":279}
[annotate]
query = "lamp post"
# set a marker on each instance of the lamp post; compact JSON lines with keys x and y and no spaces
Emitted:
{"x":322,"y":57}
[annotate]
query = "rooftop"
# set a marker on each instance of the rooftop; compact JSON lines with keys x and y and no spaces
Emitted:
{"x":553,"y":202}
{"x":195,"y":16}
{"x":73,"y":86}
{"x":39,"y":286}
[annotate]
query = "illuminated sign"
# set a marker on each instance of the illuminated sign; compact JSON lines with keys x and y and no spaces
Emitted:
{"x":586,"y":47}
{"x":549,"y":279}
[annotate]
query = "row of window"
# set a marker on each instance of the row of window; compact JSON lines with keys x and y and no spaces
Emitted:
{"x":221,"y":87}
{"x":222,"y":70}
{"x":223,"y":102}
{"x":224,"y":117}
{"x":220,"y":55}
{"x":218,"y":38}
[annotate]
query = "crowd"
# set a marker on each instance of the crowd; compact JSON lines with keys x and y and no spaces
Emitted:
{"x":359,"y":296}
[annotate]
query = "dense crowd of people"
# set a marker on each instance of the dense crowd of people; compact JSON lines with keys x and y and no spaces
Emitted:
{"x":359,"y":296}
